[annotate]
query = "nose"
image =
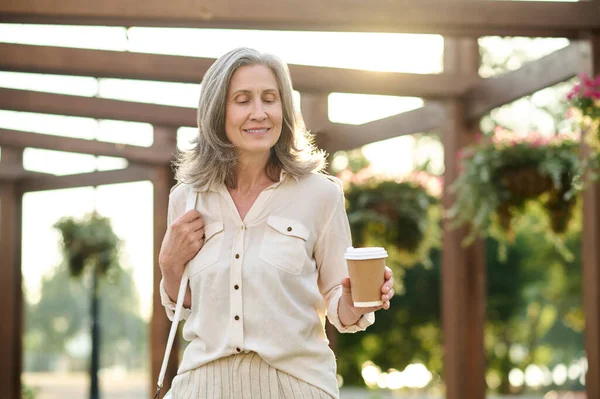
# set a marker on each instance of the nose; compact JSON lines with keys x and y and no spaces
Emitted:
{"x":257,"y":113}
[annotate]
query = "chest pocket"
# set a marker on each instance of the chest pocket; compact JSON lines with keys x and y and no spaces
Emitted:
{"x":209,"y":253}
{"x":284,"y":244}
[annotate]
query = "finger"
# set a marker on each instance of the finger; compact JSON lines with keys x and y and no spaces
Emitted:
{"x":189,"y":216}
{"x":201,"y":233}
{"x":388,"y":273}
{"x":197,"y":236}
{"x":388,"y":285}
{"x":196,"y":224}
{"x":346,"y":288}
{"x":388,"y":295}
{"x":386,"y":305}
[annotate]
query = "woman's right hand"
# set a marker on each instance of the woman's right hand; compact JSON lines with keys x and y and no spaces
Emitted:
{"x":183,"y":240}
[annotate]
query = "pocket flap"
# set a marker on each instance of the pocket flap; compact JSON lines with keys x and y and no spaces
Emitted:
{"x":212,"y":229}
{"x":289,"y":227}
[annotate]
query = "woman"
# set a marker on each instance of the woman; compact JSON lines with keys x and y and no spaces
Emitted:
{"x":272,"y":232}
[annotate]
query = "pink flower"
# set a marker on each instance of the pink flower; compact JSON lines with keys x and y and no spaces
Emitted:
{"x":584,"y":77}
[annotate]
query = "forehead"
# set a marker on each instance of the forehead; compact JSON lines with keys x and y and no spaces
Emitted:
{"x":253,"y":77}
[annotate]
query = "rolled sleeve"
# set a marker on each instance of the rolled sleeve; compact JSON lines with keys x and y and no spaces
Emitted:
{"x":170,"y":305}
{"x":332,"y":314}
{"x":334,"y":238}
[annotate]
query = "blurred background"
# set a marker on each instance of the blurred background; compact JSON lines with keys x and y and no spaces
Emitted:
{"x":533,"y":333}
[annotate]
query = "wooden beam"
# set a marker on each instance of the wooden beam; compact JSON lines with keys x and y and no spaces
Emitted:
{"x":554,"y":68}
{"x":127,"y":175}
{"x":94,"y":107}
{"x":590,"y":248}
{"x":142,"y":155}
{"x":163,"y":180}
{"x":11,"y":300}
{"x":12,"y":173}
{"x":462,"y":18}
{"x":116,"y":64}
{"x":339,"y":136}
{"x":463,"y":268}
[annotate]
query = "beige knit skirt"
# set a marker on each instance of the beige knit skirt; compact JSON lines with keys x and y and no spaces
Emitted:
{"x":243,"y":376}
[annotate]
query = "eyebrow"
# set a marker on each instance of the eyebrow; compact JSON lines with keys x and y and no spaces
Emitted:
{"x":268,"y":91}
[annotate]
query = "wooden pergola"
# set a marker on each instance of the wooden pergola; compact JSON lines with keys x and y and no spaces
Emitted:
{"x":455,"y":101}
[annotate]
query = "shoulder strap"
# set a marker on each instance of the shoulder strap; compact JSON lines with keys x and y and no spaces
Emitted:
{"x":190,"y":203}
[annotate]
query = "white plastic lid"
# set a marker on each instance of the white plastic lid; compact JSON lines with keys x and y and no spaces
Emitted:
{"x":365,"y":253}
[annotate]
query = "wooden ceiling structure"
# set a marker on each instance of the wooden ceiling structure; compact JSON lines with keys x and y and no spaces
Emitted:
{"x":455,"y":100}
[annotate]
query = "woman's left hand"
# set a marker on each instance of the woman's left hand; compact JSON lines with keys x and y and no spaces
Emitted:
{"x":387,"y":292}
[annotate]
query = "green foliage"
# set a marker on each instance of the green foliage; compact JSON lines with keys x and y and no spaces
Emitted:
{"x":408,"y":332}
{"x":62,"y":315}
{"x":89,"y":242}
{"x":499,"y":177}
{"x":397,"y":216}
{"x":28,"y":392}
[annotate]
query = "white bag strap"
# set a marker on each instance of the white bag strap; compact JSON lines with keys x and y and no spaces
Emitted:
{"x":190,"y":204}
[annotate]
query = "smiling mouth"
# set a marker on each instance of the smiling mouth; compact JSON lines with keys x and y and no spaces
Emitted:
{"x":257,"y":131}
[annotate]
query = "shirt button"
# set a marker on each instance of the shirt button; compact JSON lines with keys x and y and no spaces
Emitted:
{"x":237,"y":287}
{"x":289,"y":229}
{"x":237,"y":317}
{"x":238,"y":349}
{"x":237,"y":256}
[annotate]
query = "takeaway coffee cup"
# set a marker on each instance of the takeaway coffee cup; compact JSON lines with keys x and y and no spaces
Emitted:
{"x":366,"y":267}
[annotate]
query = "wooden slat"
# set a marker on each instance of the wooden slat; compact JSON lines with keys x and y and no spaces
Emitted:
{"x":11,"y":295}
{"x":460,"y":18}
{"x":591,"y":251}
{"x":160,"y":325}
{"x":142,"y":155}
{"x":94,"y":107}
{"x":554,"y":68}
{"x":339,"y":136}
{"x":127,"y":175}
{"x":115,"y":64}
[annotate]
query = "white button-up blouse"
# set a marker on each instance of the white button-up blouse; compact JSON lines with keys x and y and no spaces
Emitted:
{"x":265,"y":283}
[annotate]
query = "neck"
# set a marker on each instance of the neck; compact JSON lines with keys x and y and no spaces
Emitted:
{"x":251,"y":172}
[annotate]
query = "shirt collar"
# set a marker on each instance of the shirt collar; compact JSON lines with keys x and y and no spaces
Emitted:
{"x":217,"y":186}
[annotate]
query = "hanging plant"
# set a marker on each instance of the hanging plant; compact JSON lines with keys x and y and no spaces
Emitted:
{"x":88,"y":242}
{"x":584,"y":98}
{"x":503,"y":172}
{"x":401,"y":216}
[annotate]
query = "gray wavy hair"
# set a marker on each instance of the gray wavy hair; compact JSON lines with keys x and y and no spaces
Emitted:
{"x":213,"y":159}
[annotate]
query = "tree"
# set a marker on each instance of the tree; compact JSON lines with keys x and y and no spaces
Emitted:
{"x":90,"y":246}
{"x":61,"y":316}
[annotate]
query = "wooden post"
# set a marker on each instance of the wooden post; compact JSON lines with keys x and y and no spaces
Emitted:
{"x":11,"y":303}
{"x":591,"y":248}
{"x":165,"y":139}
{"x":463,"y":268}
{"x":315,"y":112}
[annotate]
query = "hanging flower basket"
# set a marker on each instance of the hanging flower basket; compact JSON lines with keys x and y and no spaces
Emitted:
{"x":397,"y":215}
{"x":503,"y":172}
{"x":584,"y":98}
